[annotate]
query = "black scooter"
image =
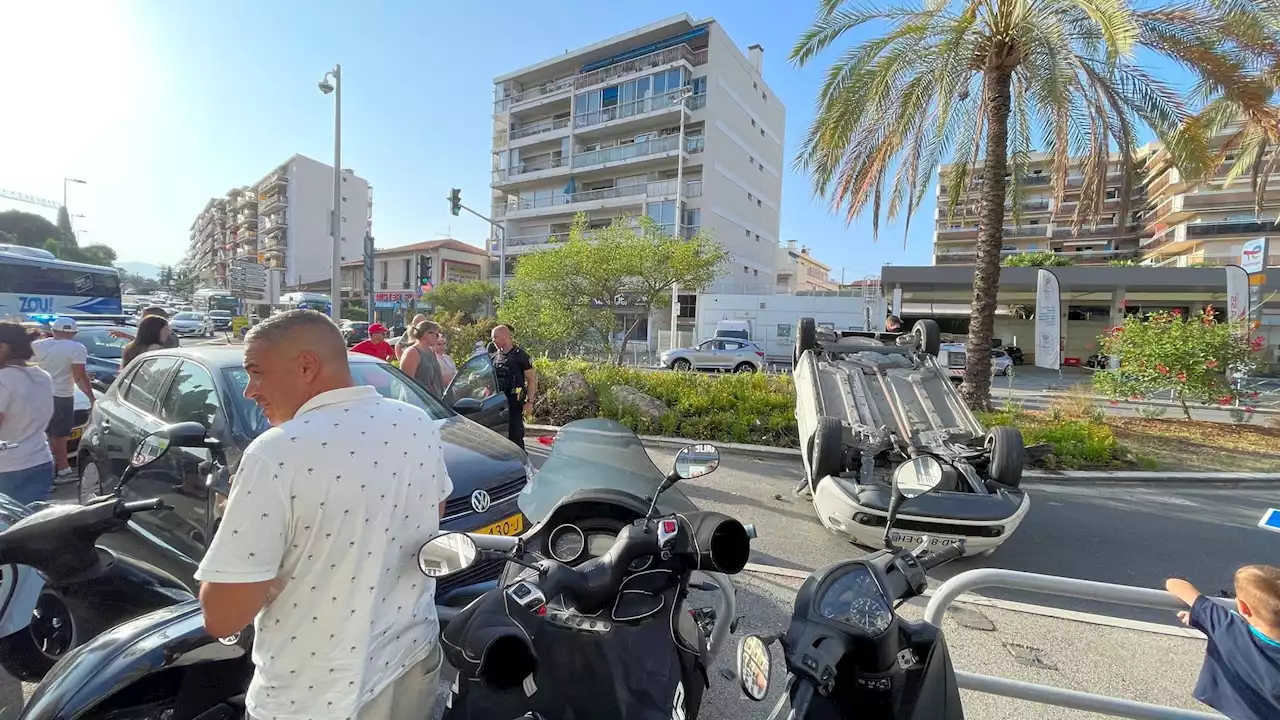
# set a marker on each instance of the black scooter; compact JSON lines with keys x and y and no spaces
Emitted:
{"x":65,"y":588}
{"x":847,"y":652}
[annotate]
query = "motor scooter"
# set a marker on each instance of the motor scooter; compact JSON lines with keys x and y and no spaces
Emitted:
{"x":848,"y":654}
{"x":60,"y":588}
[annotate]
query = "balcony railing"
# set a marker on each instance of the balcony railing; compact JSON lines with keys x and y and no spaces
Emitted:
{"x":535,"y":239}
{"x":642,"y":63}
{"x":1215,"y":260}
{"x":697,"y":102}
{"x":1026,"y":231}
{"x":1231,"y":228}
{"x":962,"y":257}
{"x":275,"y":178}
{"x":555,"y":87}
{"x":627,"y":152}
{"x":246,"y":219}
{"x":275,"y":222}
{"x":693,"y":189}
{"x":628,"y":109}
{"x":695,"y":144}
{"x":1067,"y":233}
{"x":537,"y":128}
{"x":273,"y":201}
{"x":529,"y":167}
{"x":653,"y":189}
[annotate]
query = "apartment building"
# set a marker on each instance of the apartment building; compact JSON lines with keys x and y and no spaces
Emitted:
{"x":395,"y":270}
{"x":598,"y":131}
{"x":282,"y":221}
{"x":1043,"y":225}
{"x":799,"y":271}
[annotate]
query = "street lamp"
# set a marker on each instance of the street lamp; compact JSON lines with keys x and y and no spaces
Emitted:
{"x":335,"y":288}
{"x":64,"y":193}
{"x":683,"y":99}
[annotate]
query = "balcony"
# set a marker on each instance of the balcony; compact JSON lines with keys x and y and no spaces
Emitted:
{"x":1231,"y":228}
{"x":275,"y":221}
{"x":697,"y":102}
{"x":248,"y":237}
{"x":526,"y":240}
{"x":1081,"y":257}
{"x":274,"y":180}
{"x":545,"y":90}
{"x":1102,"y":231}
{"x":247,"y":220}
{"x":1210,"y":260}
{"x":630,"y":151}
{"x":538,"y":128}
{"x":640,"y":192}
{"x":634,"y":108}
{"x":651,"y":61}
{"x":528,"y":168}
{"x":272,"y":203}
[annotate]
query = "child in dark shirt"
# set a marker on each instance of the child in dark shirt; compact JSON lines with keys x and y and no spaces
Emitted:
{"x":1241,"y":673}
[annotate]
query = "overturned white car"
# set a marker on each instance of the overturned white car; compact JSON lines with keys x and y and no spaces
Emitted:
{"x":868,"y":402}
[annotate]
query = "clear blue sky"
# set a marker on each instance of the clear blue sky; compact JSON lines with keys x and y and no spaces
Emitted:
{"x":161,"y":105}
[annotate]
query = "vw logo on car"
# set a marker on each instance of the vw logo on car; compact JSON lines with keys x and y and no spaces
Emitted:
{"x":480,"y":501}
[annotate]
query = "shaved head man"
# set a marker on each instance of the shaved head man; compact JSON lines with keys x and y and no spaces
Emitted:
{"x":516,"y":378}
{"x":316,"y":505}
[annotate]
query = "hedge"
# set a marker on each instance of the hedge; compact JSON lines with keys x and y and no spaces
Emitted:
{"x":752,"y":408}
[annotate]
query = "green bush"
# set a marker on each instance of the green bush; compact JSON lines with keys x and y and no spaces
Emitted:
{"x":752,"y":408}
{"x":1075,"y":443}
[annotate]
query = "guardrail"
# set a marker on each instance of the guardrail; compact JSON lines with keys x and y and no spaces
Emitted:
{"x":950,"y":590}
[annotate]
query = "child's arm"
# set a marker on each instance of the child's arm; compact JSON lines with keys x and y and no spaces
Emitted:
{"x":1183,"y":590}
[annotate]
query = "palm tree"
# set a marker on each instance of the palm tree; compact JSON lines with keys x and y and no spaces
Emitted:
{"x":975,"y":80}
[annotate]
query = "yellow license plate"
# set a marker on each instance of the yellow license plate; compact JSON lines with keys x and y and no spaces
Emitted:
{"x":76,"y":432}
{"x":513,"y":525}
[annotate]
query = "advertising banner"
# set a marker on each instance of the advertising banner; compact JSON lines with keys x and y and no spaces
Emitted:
{"x":1237,"y":294}
{"x":1048,"y":321}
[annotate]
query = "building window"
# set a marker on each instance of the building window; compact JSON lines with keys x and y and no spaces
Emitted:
{"x":746,"y":232}
{"x":757,"y":237}
{"x":753,"y":122}
{"x":764,"y":96}
{"x":756,"y":273}
{"x":761,"y":167}
{"x":751,"y":159}
{"x":755,"y":85}
{"x":688,"y":307}
{"x":408,"y":272}
{"x":344,"y":219}
{"x":745,"y":269}
{"x":1113,"y":194}
{"x":758,"y":203}
{"x":344,"y":199}
{"x":761,"y":132}
{"x":750,"y":197}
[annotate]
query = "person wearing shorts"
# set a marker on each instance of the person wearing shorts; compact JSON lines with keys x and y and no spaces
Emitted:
{"x":63,"y":358}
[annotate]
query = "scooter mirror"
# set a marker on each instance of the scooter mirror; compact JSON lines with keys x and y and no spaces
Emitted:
{"x":696,"y":460}
{"x":915,"y":478}
{"x":444,"y":555}
{"x":152,"y":448}
{"x":754,"y":667}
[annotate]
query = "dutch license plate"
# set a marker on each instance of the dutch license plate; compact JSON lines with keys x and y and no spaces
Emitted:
{"x":513,"y":525}
{"x":76,"y":433}
{"x":910,"y":541}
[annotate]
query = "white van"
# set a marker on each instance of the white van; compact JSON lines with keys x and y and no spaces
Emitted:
{"x":737,"y":329}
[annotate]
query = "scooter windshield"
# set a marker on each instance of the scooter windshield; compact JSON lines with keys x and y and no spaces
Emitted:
{"x":592,"y":454}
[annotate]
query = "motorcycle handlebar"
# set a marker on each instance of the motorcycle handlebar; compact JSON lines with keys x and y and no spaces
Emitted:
{"x":125,"y":510}
{"x":800,"y":703}
{"x":945,"y":555}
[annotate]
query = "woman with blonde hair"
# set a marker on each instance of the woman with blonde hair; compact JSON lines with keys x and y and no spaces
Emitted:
{"x":420,"y":361}
{"x":448,"y":369}
{"x":406,"y":339}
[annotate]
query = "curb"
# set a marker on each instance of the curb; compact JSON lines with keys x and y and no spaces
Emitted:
{"x":1033,"y":476}
{"x":1052,"y":394}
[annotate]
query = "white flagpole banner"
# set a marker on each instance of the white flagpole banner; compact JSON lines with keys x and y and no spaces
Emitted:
{"x":1048,"y":321}
{"x":1237,"y":294}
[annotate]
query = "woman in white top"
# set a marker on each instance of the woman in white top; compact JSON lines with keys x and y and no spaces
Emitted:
{"x":447,"y":367}
{"x":26,"y":406}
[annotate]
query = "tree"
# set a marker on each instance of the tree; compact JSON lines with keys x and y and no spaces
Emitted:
{"x":64,"y":222}
{"x":465,"y":298}
{"x":576,"y":291}
{"x":1190,"y":357}
{"x":972,"y":80}
{"x":166,"y":276}
{"x":27,"y":229}
{"x":1038,"y":259}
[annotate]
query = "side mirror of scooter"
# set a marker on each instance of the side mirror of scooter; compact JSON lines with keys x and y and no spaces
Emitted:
{"x":911,"y":480}
{"x":447,"y":554}
{"x":754,"y":666}
{"x":695,"y":461}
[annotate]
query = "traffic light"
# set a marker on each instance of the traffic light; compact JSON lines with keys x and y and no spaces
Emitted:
{"x":455,"y":201}
{"x":424,"y":269}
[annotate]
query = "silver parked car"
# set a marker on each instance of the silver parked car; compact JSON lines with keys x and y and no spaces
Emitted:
{"x":716,"y":354}
{"x":191,"y":323}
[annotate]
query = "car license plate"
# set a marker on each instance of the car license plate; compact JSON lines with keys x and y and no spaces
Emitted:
{"x":76,"y":432}
{"x":513,"y":525}
{"x":910,"y":541}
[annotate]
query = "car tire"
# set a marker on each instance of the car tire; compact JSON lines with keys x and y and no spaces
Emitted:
{"x":1008,"y":455}
{"x":929,"y":335}
{"x":826,"y":450}
{"x":806,"y":337}
{"x":745,"y":367}
{"x":681,"y":364}
{"x":90,"y":484}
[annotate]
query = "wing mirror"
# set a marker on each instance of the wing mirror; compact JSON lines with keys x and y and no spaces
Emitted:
{"x":912,"y":479}
{"x":467,"y":406}
{"x":447,"y":554}
{"x":754,"y":666}
{"x":695,"y":461}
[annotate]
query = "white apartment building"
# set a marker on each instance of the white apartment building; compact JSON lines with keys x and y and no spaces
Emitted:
{"x":597,"y":130}
{"x":282,"y":221}
{"x":800,"y":271}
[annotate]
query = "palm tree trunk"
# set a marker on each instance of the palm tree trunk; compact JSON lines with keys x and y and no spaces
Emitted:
{"x":986,"y":269}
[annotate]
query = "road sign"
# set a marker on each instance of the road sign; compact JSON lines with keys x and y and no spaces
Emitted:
{"x":1271,"y":520}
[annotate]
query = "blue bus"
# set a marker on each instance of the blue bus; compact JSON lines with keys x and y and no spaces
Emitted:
{"x":33,"y":283}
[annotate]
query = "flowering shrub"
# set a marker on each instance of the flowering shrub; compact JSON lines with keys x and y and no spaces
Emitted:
{"x":1186,"y":356}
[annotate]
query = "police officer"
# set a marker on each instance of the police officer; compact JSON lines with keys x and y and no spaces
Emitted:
{"x":516,"y":378}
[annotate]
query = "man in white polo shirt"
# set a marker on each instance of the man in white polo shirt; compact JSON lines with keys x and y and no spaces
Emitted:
{"x":319,"y":540}
{"x":64,"y":359}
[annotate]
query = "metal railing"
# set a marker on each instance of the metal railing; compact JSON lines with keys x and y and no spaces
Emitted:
{"x":626,"y":152}
{"x":1026,"y":230}
{"x":640,"y":64}
{"x":528,"y":167}
{"x":555,"y":87}
{"x":1095,"y":232}
{"x":654,"y":189}
{"x":628,"y":109}
{"x":537,"y":128}
{"x":951,"y":590}
{"x":697,"y":102}
{"x":275,"y":178}
{"x":272,"y":201}
{"x":536,"y":239}
{"x":693,"y":188}
{"x":1231,"y":228}
{"x":695,"y":144}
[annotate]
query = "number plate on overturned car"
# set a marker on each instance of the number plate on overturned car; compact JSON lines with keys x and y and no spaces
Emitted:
{"x":909,"y":541}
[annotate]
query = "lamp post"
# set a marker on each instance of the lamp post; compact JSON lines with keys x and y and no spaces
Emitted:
{"x":675,"y":287}
{"x":66,"y":180}
{"x":335,"y":288}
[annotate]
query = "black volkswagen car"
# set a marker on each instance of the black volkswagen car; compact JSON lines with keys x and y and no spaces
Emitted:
{"x":206,"y":384}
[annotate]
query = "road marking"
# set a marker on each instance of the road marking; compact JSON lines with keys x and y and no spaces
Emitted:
{"x":1027,"y":608}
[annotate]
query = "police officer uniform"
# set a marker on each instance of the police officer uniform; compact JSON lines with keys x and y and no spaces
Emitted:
{"x":510,"y":366}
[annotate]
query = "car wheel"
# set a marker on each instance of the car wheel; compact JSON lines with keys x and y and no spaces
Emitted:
{"x":827,"y":448}
{"x":681,"y":364}
{"x":929,"y":335}
{"x":745,"y":367}
{"x":90,"y":480}
{"x":806,"y":336}
{"x":1007,"y":455}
